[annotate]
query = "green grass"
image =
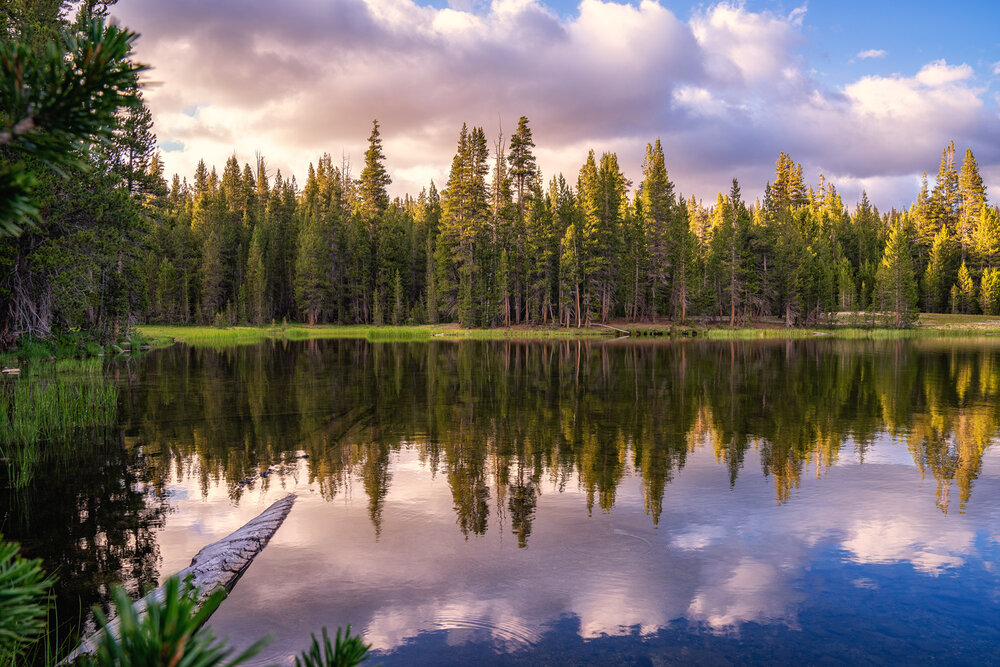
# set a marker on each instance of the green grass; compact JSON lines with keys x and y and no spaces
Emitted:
{"x":844,"y":326}
{"x":46,"y":404}
{"x":161,"y":335}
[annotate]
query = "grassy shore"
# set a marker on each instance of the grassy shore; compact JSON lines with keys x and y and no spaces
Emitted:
{"x":160,"y":335}
{"x":844,"y":326}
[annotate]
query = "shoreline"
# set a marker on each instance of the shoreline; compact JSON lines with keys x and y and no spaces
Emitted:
{"x":929,"y":325}
{"x":844,"y":326}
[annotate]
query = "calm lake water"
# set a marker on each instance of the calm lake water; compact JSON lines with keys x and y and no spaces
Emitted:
{"x":555,"y":502}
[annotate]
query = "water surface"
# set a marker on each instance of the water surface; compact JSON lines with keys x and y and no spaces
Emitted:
{"x":555,"y":502}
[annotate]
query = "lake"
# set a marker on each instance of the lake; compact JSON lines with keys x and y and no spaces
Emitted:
{"x":537,"y":502}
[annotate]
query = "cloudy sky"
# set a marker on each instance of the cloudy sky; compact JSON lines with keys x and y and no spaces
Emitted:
{"x":867,"y":96}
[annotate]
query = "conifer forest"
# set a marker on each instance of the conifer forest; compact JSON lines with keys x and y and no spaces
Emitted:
{"x":498,"y":244}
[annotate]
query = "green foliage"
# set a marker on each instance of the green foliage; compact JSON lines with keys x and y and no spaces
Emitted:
{"x":374,"y":177}
{"x":345,"y":651}
{"x":966,"y":291}
{"x":50,"y":403}
{"x":23,"y":587}
{"x":940,"y":272}
{"x":989,"y":292}
{"x":895,"y":298}
{"x":986,"y":236}
{"x":170,"y":633}
{"x":398,"y":307}
{"x":56,"y":99}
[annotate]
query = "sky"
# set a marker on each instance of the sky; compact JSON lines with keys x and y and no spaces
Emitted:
{"x":867,"y":94}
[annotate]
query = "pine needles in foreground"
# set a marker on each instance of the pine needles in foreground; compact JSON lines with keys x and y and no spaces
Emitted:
{"x":171,"y":633}
{"x":23,"y":587}
{"x":345,"y":651}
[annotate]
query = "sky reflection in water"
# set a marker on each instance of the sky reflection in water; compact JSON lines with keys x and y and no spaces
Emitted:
{"x":591,"y":502}
{"x":748,"y":571}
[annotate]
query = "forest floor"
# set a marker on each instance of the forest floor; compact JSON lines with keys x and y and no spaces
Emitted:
{"x":844,"y":325}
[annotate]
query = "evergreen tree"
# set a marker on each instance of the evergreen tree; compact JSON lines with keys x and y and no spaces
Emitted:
{"x":374,"y":201}
{"x":945,"y":198}
{"x":257,"y":278}
{"x":895,"y":297}
{"x":465,"y":210}
{"x":972,"y":199}
{"x":847,"y":295}
{"x":986,"y":237}
{"x":313,"y":287}
{"x":398,"y":307}
{"x":375,"y":180}
{"x":940,"y":273}
{"x":523,"y":168}
{"x":966,"y":291}
{"x":657,"y":197}
{"x":989,"y":292}
{"x":503,"y":288}
{"x":432,"y":300}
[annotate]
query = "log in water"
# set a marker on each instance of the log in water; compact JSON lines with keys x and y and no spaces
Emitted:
{"x":219,"y":564}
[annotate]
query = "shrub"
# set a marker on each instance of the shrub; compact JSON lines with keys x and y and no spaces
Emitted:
{"x":342,"y":652}
{"x":170,"y":633}
{"x":23,"y":587}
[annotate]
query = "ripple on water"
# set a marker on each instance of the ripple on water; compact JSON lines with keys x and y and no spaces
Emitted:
{"x":618,"y":546}
{"x":506,"y":636}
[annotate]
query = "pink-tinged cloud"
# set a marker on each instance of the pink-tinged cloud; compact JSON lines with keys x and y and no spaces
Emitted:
{"x":726,"y":90}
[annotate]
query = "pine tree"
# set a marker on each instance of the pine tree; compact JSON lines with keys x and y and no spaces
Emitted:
{"x":465,"y":211}
{"x":398,"y":308}
{"x":945,"y":198}
{"x":523,"y":168}
{"x":989,"y":292}
{"x":972,"y":199}
{"x":571,"y":274}
{"x":377,"y":318}
{"x":925,"y":224}
{"x":374,"y":181}
{"x":658,"y":202}
{"x":432,"y":300}
{"x":986,"y":237}
{"x":966,"y":290}
{"x":257,"y":278}
{"x":313,"y":287}
{"x":846,"y":287}
{"x":940,"y":273}
{"x":133,"y":146}
{"x":895,"y":297}
{"x":503,"y":289}
{"x":374,"y":201}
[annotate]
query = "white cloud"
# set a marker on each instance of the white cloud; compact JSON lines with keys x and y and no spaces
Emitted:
{"x":726,"y":90}
{"x":939,"y":73}
{"x":743,"y":46}
{"x":870,"y":53}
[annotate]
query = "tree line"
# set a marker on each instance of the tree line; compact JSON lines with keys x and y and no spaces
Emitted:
{"x":500,"y":245}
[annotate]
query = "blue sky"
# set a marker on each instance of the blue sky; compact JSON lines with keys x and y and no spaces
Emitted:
{"x":867,"y":94}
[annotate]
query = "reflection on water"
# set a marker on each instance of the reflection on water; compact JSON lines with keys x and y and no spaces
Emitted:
{"x":561,"y":502}
{"x":517,"y":412}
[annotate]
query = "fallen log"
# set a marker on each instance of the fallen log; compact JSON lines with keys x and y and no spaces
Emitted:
{"x":596,"y":324}
{"x":220,"y":564}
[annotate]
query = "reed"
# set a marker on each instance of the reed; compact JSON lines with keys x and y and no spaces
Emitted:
{"x":46,"y":406}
